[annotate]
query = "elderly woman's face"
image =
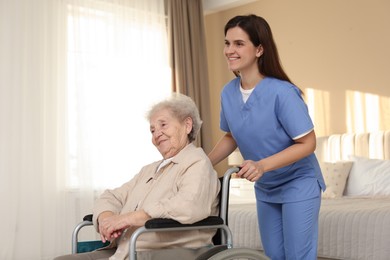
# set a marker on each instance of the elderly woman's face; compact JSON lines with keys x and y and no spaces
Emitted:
{"x":169,"y":134}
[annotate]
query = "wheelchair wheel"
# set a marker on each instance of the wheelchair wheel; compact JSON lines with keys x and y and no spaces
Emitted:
{"x":239,"y":254}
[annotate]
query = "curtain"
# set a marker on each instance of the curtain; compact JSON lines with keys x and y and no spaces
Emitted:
{"x":76,"y":78}
{"x":31,"y":119}
{"x":189,"y":59}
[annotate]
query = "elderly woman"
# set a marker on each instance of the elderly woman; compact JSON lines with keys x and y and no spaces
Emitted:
{"x":182,"y":186}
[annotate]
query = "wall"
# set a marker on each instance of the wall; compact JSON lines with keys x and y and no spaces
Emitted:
{"x":327,"y":45}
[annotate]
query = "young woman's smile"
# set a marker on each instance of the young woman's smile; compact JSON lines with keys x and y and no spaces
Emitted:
{"x":240,"y":52}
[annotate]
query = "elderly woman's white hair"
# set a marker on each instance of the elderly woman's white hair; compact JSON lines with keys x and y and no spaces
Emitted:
{"x":181,"y":107}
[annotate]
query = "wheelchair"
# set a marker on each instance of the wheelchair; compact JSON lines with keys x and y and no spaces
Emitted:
{"x":223,"y":239}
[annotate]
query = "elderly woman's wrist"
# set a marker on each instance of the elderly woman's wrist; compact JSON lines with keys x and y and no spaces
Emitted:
{"x":103,"y":215}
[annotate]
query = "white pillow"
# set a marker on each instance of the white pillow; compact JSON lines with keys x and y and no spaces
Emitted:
{"x":368,"y":177}
{"x":335,"y":177}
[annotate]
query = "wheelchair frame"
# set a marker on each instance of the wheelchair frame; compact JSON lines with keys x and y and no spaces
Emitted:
{"x":166,"y":225}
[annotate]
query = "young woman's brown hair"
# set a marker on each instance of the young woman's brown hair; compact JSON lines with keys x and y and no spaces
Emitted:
{"x":260,"y":33}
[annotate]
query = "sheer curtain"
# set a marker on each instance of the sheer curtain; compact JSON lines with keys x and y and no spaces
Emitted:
{"x":76,"y":78}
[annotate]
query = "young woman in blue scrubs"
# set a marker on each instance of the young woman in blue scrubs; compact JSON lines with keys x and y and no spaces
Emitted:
{"x":264,"y":115}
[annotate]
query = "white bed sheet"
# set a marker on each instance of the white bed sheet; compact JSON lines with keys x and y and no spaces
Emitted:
{"x":349,"y":228}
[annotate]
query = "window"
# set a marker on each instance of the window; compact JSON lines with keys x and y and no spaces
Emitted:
{"x":117,"y":67}
{"x":318,"y":102}
{"x":364,"y":112}
{"x":367,"y":112}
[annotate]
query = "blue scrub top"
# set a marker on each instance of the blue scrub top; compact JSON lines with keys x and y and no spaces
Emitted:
{"x":267,"y":123}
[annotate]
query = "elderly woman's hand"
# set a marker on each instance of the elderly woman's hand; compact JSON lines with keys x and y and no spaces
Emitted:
{"x":111,"y":226}
{"x":108,"y":225}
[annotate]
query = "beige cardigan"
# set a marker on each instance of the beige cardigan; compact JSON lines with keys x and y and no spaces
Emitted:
{"x":185,"y":190}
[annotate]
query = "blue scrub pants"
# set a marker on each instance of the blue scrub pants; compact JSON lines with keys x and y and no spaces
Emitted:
{"x":289,"y":230}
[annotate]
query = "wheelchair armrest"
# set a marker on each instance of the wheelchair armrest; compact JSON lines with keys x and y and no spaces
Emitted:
{"x":169,"y":223}
{"x":88,"y":217}
{"x":158,"y":223}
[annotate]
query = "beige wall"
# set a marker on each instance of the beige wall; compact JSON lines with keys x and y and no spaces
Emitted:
{"x":324,"y":44}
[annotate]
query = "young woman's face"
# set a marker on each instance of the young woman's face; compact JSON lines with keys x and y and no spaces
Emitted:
{"x":240,"y":52}
{"x":169,"y":134}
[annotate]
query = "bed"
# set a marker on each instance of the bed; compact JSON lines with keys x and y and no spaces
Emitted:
{"x":354,"y":220}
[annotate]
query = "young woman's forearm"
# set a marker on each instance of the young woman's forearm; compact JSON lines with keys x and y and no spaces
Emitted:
{"x":225,"y":146}
{"x":303,"y":147}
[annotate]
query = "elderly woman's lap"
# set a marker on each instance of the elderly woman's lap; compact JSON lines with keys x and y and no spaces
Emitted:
{"x":162,"y":254}
{"x":95,"y":255}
